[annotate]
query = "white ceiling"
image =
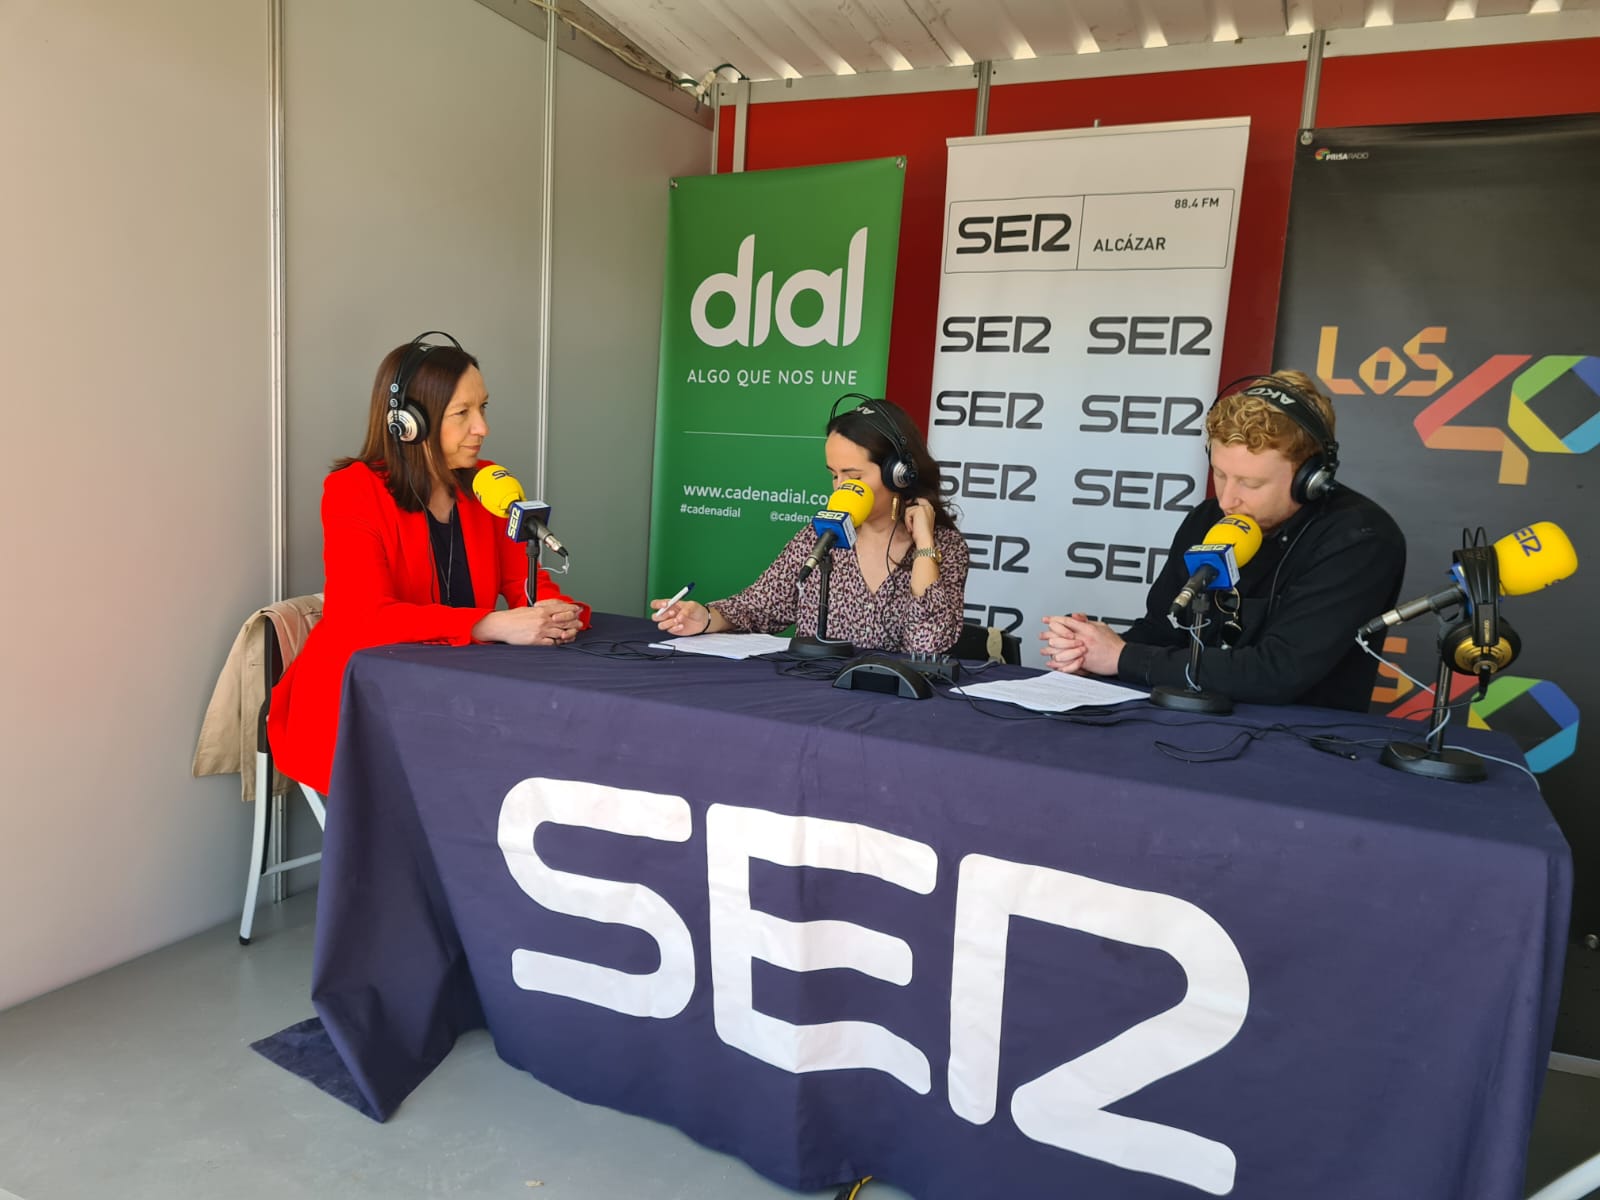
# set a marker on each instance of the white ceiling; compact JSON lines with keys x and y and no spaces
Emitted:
{"x":789,"y":39}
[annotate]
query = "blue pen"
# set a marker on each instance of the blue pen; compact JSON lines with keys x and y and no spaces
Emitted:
{"x":662,"y":611}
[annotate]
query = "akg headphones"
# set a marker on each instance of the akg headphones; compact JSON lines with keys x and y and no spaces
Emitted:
{"x":899,"y":469}
{"x":407,"y":421}
{"x":1314,"y":478}
{"x":1482,"y":642}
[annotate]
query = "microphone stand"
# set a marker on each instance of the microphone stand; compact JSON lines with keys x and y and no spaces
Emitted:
{"x":1430,"y":758}
{"x":1192,"y":698}
{"x":820,"y":646}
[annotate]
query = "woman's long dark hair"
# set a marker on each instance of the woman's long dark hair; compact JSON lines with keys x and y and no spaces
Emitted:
{"x":410,"y":469}
{"x":864,"y":432}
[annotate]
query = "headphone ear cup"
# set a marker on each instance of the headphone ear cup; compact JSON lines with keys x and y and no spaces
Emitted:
{"x":1312,"y":481}
{"x":1464,"y":655}
{"x":901,"y":475}
{"x":407,"y":422}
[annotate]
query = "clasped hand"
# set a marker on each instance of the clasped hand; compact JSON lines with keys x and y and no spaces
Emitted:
{"x":1076,"y":645}
{"x":547,"y":623}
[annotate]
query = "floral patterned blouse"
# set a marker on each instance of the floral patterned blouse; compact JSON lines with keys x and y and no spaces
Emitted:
{"x":889,"y":619}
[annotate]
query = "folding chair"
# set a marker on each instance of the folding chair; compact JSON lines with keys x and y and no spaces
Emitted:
{"x":261,"y":865}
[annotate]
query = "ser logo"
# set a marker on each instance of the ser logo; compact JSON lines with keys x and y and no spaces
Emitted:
{"x":997,"y":552}
{"x":995,"y":335}
{"x":1015,"y":233}
{"x":1149,"y":335}
{"x":1552,"y":404}
{"x":1148,"y":490}
{"x":1181,"y":415}
{"x":1114,"y":562}
{"x":1006,"y":620}
{"x":987,"y":481}
{"x":989,"y":410}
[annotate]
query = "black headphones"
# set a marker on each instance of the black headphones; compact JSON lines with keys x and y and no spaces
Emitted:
{"x":407,"y":421}
{"x":1314,"y":478}
{"x":899,"y":469}
{"x":1483,"y":642}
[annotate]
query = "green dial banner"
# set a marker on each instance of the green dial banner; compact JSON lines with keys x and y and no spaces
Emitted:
{"x":779,"y":289}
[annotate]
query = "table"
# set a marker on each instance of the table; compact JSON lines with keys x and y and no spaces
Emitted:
{"x":839,"y":933}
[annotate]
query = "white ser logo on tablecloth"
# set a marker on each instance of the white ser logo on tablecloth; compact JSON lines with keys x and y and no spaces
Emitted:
{"x":1063,"y":1107}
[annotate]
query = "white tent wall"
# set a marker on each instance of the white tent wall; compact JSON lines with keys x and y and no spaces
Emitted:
{"x":135,"y":254}
{"x":412,"y":184}
{"x":134,"y":294}
{"x":615,"y":152}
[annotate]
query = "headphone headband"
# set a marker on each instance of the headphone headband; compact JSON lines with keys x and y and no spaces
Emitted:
{"x":1313,"y":479}
{"x":900,"y":469}
{"x":407,"y":420}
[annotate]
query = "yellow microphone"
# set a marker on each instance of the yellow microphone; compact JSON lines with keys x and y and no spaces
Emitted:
{"x":836,"y":525}
{"x":497,"y":489}
{"x":1215,"y":562}
{"x":1532,"y":558}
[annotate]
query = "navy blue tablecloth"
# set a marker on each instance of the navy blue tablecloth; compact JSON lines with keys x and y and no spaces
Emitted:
{"x":840,"y":933}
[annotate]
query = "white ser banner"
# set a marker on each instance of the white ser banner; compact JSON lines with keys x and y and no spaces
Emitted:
{"x":1081,"y":316}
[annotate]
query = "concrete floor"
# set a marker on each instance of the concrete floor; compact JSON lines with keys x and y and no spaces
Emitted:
{"x":139,"y":1083}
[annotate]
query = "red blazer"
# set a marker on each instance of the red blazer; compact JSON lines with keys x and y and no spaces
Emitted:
{"x":380,"y":589}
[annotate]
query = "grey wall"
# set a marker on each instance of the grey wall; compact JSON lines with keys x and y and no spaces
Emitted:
{"x":615,"y":151}
{"x":134,"y":298}
{"x":412,"y":186}
{"x":134,"y":287}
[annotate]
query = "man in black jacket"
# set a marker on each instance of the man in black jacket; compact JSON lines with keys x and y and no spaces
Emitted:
{"x":1330,"y":559}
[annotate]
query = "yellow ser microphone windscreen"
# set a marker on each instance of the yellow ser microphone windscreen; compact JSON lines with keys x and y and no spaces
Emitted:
{"x":1240,"y":532}
{"x":853,"y":498}
{"x":497,"y":489}
{"x":1534,"y":558}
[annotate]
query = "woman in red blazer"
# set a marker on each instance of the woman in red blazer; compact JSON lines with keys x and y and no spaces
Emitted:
{"x":409,"y":554}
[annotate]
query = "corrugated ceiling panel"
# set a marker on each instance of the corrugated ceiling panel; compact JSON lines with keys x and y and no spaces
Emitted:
{"x":1339,"y":14}
{"x":1049,"y":27}
{"x":1253,"y":18}
{"x":1408,"y":11}
{"x":1182,"y":22}
{"x":902,"y":29}
{"x":1114,"y":24}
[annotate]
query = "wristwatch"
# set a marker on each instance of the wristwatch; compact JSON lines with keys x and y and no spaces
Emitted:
{"x":929,"y":552}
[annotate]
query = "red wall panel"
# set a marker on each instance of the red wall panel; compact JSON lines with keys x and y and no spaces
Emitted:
{"x":1478,"y":83}
{"x":1475,"y":83}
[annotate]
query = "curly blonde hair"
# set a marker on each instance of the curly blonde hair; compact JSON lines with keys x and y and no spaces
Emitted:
{"x":1260,"y":425}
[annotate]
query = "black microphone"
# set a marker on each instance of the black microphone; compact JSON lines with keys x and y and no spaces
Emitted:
{"x":1439,"y":601}
{"x":1198,"y":582}
{"x":818,"y":553}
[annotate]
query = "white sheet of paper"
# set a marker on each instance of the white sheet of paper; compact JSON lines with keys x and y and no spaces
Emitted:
{"x":725,"y":645}
{"x":1053,"y":692}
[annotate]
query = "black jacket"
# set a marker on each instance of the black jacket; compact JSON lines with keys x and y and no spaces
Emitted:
{"x":1316,"y":580}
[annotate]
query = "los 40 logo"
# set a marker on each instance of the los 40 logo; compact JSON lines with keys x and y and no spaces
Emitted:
{"x":1416,"y":370}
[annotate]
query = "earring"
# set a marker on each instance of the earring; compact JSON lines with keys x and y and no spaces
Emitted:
{"x":894,"y":510}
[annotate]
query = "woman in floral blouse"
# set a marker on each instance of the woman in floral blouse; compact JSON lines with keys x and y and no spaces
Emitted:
{"x":899,"y":589}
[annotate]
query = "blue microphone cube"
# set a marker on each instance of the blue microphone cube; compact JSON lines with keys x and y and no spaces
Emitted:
{"x":1219,"y":557}
{"x":520,"y":518}
{"x":838,"y":523}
